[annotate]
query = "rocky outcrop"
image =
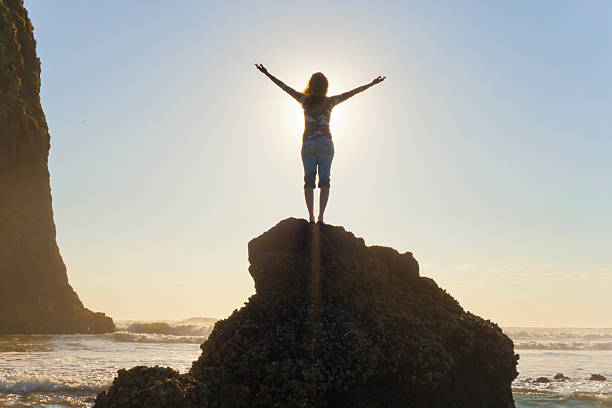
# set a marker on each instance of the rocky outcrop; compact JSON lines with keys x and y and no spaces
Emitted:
{"x":35,"y":296}
{"x":335,"y":323}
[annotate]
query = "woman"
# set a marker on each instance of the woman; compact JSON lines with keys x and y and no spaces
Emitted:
{"x":317,"y":145}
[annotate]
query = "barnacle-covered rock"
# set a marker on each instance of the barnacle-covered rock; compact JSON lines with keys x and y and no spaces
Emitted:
{"x":141,"y":386}
{"x":335,"y":323}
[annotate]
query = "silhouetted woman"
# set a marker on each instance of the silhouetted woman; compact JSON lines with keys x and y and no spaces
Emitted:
{"x":317,"y":145}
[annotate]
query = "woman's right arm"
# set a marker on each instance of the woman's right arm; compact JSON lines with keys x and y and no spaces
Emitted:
{"x":298,"y":96}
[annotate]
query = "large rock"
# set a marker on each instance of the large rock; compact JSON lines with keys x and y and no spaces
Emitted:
{"x":35,"y":296}
{"x":335,"y":323}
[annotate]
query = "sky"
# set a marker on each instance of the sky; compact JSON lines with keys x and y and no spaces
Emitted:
{"x":485,"y":152}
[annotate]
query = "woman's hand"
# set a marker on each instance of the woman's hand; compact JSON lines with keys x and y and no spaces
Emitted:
{"x":377,"y":80}
{"x":263,"y":69}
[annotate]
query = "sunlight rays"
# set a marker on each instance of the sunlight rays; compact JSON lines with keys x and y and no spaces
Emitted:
{"x":315,"y":318}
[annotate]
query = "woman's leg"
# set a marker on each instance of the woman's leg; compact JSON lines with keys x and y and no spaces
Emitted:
{"x":309,"y":196}
{"x":309,"y":160}
{"x":323,"y":197}
{"x":324,"y":162}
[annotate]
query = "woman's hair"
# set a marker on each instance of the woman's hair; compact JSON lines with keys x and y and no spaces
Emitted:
{"x":316,"y":90}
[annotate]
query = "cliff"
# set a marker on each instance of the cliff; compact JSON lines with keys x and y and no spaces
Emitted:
{"x":35,"y":296}
{"x":335,"y":323}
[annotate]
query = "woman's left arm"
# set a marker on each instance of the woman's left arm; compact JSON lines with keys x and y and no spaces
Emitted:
{"x":344,"y":96}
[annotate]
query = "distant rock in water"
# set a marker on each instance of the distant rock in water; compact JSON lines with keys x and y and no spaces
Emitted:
{"x":541,"y":380}
{"x":35,"y":296}
{"x":335,"y":323}
{"x":597,"y":377}
{"x":560,"y":377}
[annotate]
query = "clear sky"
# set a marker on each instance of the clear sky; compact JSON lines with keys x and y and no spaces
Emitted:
{"x":486,"y":152}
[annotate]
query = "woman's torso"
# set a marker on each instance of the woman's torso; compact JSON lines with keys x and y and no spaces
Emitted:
{"x":316,"y":119}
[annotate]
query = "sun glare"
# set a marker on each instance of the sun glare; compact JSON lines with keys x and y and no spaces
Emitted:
{"x":297,"y":78}
{"x":297,"y":119}
{"x":338,"y":120}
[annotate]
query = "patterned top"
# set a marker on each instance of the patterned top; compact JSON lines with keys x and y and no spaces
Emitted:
{"x":316,"y":119}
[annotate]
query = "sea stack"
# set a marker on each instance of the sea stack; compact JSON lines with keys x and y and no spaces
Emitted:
{"x":35,"y":296}
{"x":335,"y":323}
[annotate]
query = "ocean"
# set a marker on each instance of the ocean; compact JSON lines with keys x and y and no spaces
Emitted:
{"x":56,"y":371}
{"x":575,"y":353}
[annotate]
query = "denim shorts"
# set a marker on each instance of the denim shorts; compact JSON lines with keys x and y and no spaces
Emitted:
{"x":317,"y":154}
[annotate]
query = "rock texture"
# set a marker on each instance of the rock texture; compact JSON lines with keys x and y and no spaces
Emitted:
{"x":35,"y":296}
{"x":335,"y":323}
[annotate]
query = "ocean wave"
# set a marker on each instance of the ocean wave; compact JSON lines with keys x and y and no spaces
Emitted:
{"x":557,"y":345}
{"x":601,"y":399}
{"x":170,"y":329}
{"x":558,"y":334}
{"x":127,"y":337}
{"x":208,"y":321}
{"x":35,"y":383}
{"x":23,"y":348}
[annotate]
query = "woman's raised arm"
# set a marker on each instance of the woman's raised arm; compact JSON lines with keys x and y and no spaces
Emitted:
{"x":298,"y":96}
{"x":344,"y":96}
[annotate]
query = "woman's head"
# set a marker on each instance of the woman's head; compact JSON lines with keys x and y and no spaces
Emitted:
{"x":315,"y":91}
{"x":317,"y":86}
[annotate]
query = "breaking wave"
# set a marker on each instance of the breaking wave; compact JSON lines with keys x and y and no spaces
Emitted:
{"x":553,"y":399}
{"x":156,"y":338}
{"x":170,"y":329}
{"x":553,"y":345}
{"x":560,"y":338}
{"x":194,"y":331}
{"x":34,"y":383}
